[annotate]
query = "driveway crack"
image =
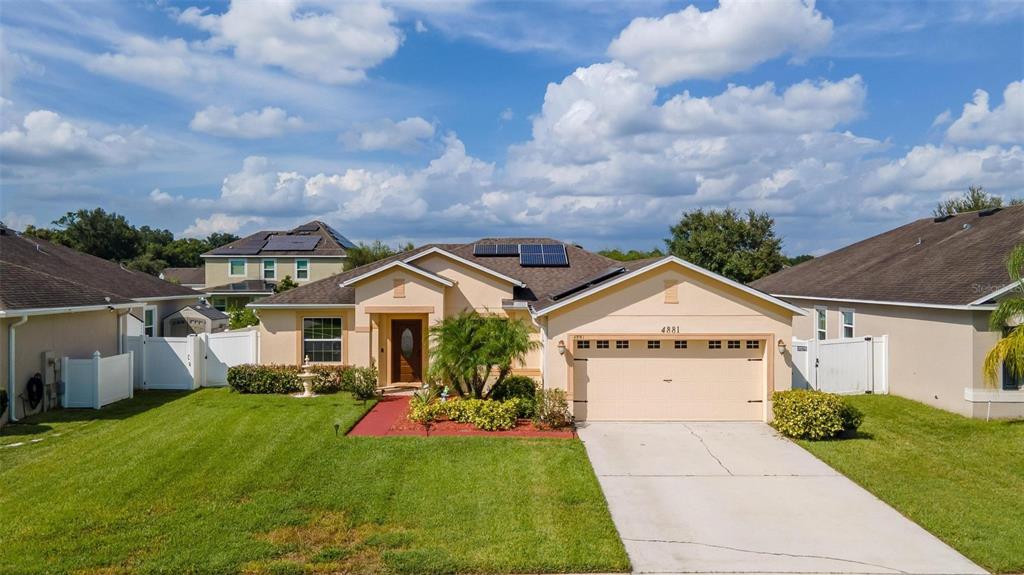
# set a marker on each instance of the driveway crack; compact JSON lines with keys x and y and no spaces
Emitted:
{"x":772,"y":553}
{"x":706,"y":448}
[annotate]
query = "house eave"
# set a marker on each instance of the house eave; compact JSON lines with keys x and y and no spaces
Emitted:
{"x":5,"y":313}
{"x":967,"y":307}
{"x":462,"y":260}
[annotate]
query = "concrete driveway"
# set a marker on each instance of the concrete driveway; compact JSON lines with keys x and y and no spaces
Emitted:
{"x":736,"y":498}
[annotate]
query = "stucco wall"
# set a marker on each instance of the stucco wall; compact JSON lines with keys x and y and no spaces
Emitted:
{"x":217,"y":269}
{"x":637,"y":306}
{"x":473,"y":289}
{"x":933,"y":353}
{"x":76,"y":335}
{"x":281,"y":334}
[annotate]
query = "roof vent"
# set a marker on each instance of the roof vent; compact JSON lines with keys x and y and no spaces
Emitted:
{"x":988,"y":212}
{"x":943,"y":218}
{"x":919,"y":242}
{"x":967,"y":226}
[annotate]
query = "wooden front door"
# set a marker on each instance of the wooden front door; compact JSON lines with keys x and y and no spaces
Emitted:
{"x":406,"y":350}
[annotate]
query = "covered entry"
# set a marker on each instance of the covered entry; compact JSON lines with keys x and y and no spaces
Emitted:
{"x":659,"y":379}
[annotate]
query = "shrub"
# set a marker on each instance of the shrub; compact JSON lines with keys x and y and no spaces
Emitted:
{"x":242,"y":317}
{"x":252,"y":378}
{"x":552,"y":410}
{"x":423,"y":410}
{"x":521,"y":388}
{"x":494,"y":415}
{"x":364,"y":383}
{"x":484,"y":414}
{"x":329,"y":378}
{"x":809,"y":414}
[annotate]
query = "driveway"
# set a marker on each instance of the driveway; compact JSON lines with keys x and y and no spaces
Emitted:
{"x":737,"y":498}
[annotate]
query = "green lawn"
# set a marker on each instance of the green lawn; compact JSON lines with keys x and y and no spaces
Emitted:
{"x":961,"y":479}
{"x":215,"y":482}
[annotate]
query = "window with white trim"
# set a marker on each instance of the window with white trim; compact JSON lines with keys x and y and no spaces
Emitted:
{"x":653,"y":344}
{"x":602,"y":344}
{"x":753,"y":344}
{"x":236,"y":268}
{"x":846,"y":316}
{"x":734,"y":344}
{"x":715,"y":344}
{"x":219,"y":303}
{"x":622,"y":344}
{"x":270,"y":269}
{"x":149,"y":321}
{"x":822,"y":322}
{"x":321,"y":339}
{"x":301,"y":269}
{"x":680,"y":344}
{"x":582,"y":344}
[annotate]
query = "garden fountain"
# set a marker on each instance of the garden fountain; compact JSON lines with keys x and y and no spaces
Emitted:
{"x":306,"y":378}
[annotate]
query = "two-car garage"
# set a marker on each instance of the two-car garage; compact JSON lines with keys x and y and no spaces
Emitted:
{"x":668,"y":341}
{"x":618,"y":378}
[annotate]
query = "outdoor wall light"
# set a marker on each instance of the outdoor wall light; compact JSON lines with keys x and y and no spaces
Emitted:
{"x":561,"y":347}
{"x":782,"y":346}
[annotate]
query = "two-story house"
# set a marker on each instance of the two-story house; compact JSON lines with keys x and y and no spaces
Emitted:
{"x":248,"y":269}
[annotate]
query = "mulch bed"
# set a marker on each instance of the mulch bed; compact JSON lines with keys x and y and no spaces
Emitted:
{"x":390,"y":418}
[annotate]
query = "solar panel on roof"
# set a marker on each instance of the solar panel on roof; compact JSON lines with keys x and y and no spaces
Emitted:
{"x":342,"y":240}
{"x":495,"y":250}
{"x":291,"y":243}
{"x":485,"y":249}
{"x":610,"y":272}
{"x":543,"y":255}
{"x":248,"y":248}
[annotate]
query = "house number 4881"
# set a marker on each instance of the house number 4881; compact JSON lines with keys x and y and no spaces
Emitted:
{"x":670,"y":329}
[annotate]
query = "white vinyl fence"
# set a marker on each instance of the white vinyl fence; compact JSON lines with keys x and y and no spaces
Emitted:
{"x":97,"y":381}
{"x":191,"y":362}
{"x":848,"y":366}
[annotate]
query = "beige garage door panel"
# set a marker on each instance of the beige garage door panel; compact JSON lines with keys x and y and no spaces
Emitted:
{"x":669,"y":384}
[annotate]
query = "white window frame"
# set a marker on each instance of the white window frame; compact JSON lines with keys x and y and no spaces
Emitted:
{"x":301,"y":279}
{"x":156,"y":321}
{"x":219,"y":302}
{"x":820,"y":331}
{"x":245,"y":268}
{"x":263,"y":269}
{"x":340,"y":339}
{"x":843,"y":325}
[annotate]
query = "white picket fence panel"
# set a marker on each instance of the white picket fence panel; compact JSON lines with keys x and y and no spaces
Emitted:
{"x":186,"y":363}
{"x":847,"y":366}
{"x":97,"y":381}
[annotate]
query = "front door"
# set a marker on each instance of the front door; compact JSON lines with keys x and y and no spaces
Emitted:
{"x":406,"y":350}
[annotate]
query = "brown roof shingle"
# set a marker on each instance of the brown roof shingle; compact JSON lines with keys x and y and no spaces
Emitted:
{"x":331,"y":242}
{"x":38,"y":274}
{"x":951,"y":262}
{"x":185,"y":276}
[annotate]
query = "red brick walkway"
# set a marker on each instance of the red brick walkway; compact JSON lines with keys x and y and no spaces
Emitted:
{"x":388,"y":418}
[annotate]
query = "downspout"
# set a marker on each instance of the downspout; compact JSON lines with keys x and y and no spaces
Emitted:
{"x":10,"y":366}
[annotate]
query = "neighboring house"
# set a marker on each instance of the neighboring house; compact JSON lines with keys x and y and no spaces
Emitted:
{"x":248,"y":269}
{"x":657,"y":339}
{"x":194,"y":278}
{"x":195,"y":319}
{"x":929,"y":286}
{"x":55,"y":302}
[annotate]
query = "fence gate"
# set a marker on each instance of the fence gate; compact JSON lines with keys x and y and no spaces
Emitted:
{"x":190,"y":362}
{"x":849,"y":365}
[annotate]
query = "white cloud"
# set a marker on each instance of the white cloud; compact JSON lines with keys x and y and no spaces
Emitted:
{"x":163,"y":199}
{"x":45,"y":137}
{"x":404,"y":135}
{"x":934,"y":170}
{"x":266,"y":123}
{"x":223,"y":223}
{"x":1002,"y":125}
{"x":942,"y":119}
{"x":259,"y":189}
{"x":17,"y":221}
{"x":420,"y":26}
{"x":334,"y":43}
{"x":735,"y":36}
{"x":506,"y":115}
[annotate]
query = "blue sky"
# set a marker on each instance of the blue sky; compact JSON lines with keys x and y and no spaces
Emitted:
{"x":598,"y":123}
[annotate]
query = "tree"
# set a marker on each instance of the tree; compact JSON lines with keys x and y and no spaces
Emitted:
{"x":242,"y":317}
{"x":975,"y":199}
{"x":631,"y":255}
{"x":1009,"y":315}
{"x":95,"y":232}
{"x":797,"y":259}
{"x":740,"y":248}
{"x":469,"y":347}
{"x":364,"y":254}
{"x":184,"y":252}
{"x":285,"y":284}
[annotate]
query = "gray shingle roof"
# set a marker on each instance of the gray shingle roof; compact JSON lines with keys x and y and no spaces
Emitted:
{"x":951,"y":262}
{"x":38,"y":274}
{"x":185,"y":276}
{"x":331,"y":242}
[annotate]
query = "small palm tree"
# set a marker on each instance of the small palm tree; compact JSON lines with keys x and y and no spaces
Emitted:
{"x":469,"y":347}
{"x":1009,"y":351}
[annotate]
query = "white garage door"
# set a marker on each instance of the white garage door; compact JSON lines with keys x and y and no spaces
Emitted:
{"x":666,"y":380}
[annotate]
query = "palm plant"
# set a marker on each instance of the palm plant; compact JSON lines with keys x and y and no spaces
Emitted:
{"x":469,"y":348}
{"x":1009,"y":351}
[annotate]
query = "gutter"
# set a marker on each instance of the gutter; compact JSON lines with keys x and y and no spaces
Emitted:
{"x":10,"y":366}
{"x":967,"y":307}
{"x":302,"y":305}
{"x":55,"y":310}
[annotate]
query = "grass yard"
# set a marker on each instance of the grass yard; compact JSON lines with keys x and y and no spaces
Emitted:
{"x":215,"y":482}
{"x":961,"y":479}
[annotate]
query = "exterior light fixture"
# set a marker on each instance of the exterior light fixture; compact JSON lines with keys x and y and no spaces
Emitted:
{"x":561,"y":347}
{"x":782,"y":346}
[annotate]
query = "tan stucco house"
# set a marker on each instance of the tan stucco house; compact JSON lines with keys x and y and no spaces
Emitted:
{"x":57,"y":302}
{"x":248,"y":269}
{"x":929,"y":286}
{"x":656,"y":339}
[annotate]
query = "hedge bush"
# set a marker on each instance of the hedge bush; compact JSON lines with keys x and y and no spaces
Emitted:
{"x":809,"y":414}
{"x":488,"y":415}
{"x":274,"y":378}
{"x":252,"y":378}
{"x":552,"y":411}
{"x":521,"y":388}
{"x":362,"y":383}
